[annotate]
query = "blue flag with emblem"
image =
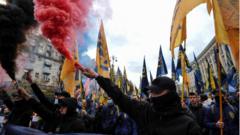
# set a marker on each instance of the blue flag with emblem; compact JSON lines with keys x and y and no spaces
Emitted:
{"x":144,"y":80}
{"x":174,"y":74}
{"x":187,"y":63}
{"x":179,"y":68}
{"x":198,"y":77}
{"x":162,"y":68}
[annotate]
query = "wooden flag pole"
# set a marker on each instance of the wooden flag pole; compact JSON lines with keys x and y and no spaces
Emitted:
{"x":219,"y":89}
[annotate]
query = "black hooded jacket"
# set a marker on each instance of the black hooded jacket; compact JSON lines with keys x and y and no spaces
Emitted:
{"x":37,"y":91}
{"x":49,"y":126}
{"x":171,"y":121}
{"x":69,"y":123}
{"x":20,"y":112}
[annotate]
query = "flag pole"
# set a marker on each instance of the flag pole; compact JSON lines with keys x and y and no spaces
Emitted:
{"x":219,"y":87}
{"x":183,"y":68}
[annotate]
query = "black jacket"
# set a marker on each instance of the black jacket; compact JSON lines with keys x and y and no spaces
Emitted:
{"x":198,"y":112}
{"x":49,"y":126}
{"x":150,"y":122}
{"x":70,"y":123}
{"x":37,"y":91}
{"x":20,"y":111}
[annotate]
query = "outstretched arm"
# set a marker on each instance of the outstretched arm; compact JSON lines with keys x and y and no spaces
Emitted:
{"x":39,"y":108}
{"x":133,"y":108}
{"x":37,"y":91}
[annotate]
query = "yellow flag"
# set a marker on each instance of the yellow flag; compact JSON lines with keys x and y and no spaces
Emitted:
{"x":220,"y":31}
{"x":68,"y":74}
{"x":182,"y":8}
{"x":102,"y":57}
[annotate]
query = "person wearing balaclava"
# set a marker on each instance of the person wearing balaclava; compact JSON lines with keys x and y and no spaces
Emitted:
{"x":230,"y":122}
{"x":20,"y":113}
{"x":52,"y":106}
{"x":161,"y":116}
{"x":66,"y":120}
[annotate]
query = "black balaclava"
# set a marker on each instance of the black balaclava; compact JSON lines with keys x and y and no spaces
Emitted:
{"x":162,"y":102}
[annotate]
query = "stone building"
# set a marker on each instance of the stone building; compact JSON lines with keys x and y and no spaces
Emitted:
{"x":208,"y":54}
{"x":43,"y":60}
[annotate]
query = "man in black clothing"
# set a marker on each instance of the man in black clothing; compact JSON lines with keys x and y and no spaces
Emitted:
{"x":65,"y":121}
{"x":198,"y":110}
{"x":162,"y":116}
{"x":46,"y":102}
{"x":20,"y":112}
{"x":50,"y":125}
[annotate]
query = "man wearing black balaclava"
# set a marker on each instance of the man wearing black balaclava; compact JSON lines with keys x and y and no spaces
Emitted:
{"x":161,"y":116}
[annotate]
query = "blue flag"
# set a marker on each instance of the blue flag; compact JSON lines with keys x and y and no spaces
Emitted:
{"x":233,"y":78}
{"x":144,"y":80}
{"x":223,"y":73}
{"x":211,"y":81}
{"x":162,"y":68}
{"x":198,"y":83}
{"x":229,"y":58}
{"x":198,"y":77}
{"x":188,"y":66}
{"x":174,"y":74}
{"x":151,"y":78}
{"x":179,"y":68}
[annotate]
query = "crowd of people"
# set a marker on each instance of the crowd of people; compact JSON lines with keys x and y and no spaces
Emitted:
{"x":162,"y":113}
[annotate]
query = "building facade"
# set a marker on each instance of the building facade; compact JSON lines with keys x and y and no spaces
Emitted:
{"x":208,"y":55}
{"x":43,"y":60}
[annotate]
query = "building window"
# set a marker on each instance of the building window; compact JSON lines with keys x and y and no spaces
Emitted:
{"x":46,"y":77}
{"x":39,"y":58}
{"x":49,"y":48}
{"x":48,"y":54}
{"x":32,"y":58}
{"x":36,"y":75}
{"x":40,"y":49}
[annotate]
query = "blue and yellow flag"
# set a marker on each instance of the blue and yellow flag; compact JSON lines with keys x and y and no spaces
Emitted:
{"x":162,"y":68}
{"x":144,"y":80}
{"x":222,"y":71}
{"x":174,"y":74}
{"x":181,"y":54}
{"x":228,"y":55}
{"x":211,"y":80}
{"x":102,"y":57}
{"x":119,"y":78}
{"x":125,"y":81}
{"x":112,"y":74}
{"x":198,"y":77}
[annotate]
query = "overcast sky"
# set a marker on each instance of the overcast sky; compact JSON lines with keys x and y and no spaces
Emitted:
{"x":137,"y":28}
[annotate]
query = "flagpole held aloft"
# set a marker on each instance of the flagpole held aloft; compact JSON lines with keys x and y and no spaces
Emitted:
{"x":219,"y":89}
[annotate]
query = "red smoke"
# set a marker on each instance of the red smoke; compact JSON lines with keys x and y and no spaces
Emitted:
{"x":60,"y":19}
